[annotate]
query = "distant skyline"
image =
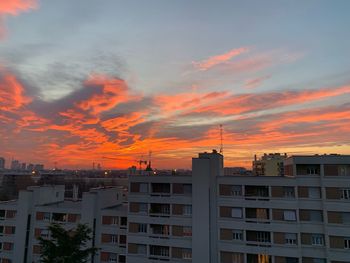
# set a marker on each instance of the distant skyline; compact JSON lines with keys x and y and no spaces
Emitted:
{"x":88,"y":81}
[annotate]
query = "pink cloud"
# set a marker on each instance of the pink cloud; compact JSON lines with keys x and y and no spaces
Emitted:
{"x":255,"y":82}
{"x":219,"y":59}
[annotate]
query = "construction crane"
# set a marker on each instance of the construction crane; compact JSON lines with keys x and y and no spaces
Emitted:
{"x":140,"y":162}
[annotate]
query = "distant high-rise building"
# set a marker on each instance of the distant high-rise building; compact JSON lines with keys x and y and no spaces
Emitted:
{"x":269,"y":164}
{"x":2,"y":163}
{"x":23,"y":166}
{"x":30,"y":167}
{"x":39,"y":167}
{"x":15,"y":165}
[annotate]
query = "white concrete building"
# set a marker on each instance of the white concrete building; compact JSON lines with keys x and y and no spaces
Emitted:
{"x":205,"y":217}
{"x":22,"y":221}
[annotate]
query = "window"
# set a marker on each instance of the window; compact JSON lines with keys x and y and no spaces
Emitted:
{"x":187,"y":231}
{"x":318,"y":260}
{"x":256,"y":191}
{"x":236,"y":212}
{"x":123,"y":221}
{"x":114,"y":239}
{"x":314,"y":192}
{"x":142,"y":228}
{"x":346,"y":217}
{"x":2,"y":214}
{"x":122,"y":259}
{"x":345,"y":193}
{"x":289,"y":215}
{"x":47,"y":216}
{"x":44,"y":233}
{"x":262,"y":213}
{"x":187,"y":210}
{"x":113,"y":257}
{"x":317,"y":240}
{"x":186,"y":253}
{"x":288,"y":191}
{"x":143,"y":188}
{"x":1,"y":230}
{"x":347,"y":243}
{"x":59,"y":217}
{"x":114,"y":220}
{"x":290,"y":238}
{"x":11,"y":213}
{"x":187,"y":189}
{"x":159,"y":251}
{"x":143,"y":208}
{"x":312,"y":170}
{"x":316,"y":216}
{"x":237,"y":234}
{"x":343,"y":170}
{"x":0,"y":246}
{"x":292,"y":260}
{"x":142,"y":249}
{"x":236,"y":190}
{"x":237,"y":257}
{"x":262,"y":236}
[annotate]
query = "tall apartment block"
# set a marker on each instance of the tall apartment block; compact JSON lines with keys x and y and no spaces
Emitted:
{"x":202,"y":217}
{"x":302,"y":216}
{"x":22,"y":221}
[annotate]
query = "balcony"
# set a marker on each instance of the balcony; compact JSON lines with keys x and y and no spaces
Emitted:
{"x":162,"y":210}
{"x":159,"y":252}
{"x":253,"y":192}
{"x":257,"y":215}
{"x":160,"y":189}
{"x":160,"y":231}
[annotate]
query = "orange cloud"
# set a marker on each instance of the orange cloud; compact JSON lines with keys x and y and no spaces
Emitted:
{"x":113,"y":92}
{"x":219,"y":59}
{"x":13,"y":8}
{"x":238,"y":104}
{"x":183,"y":102}
{"x":12,"y":94}
{"x":104,"y":123}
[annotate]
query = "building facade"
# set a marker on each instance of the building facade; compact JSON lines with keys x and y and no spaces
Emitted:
{"x":271,"y":164}
{"x":208,"y":217}
{"x":26,"y":219}
{"x":204,"y":216}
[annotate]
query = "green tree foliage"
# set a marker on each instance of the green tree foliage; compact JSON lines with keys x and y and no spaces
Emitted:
{"x":67,"y":246}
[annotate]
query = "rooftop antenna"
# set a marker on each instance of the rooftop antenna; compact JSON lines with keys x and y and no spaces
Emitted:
{"x":149,"y":166}
{"x":221,"y":140}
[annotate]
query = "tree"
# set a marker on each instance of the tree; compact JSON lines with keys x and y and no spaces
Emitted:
{"x":67,"y":246}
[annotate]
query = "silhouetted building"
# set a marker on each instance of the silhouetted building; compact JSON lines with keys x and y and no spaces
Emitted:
{"x":2,"y":163}
{"x":38,"y":167}
{"x":15,"y":165}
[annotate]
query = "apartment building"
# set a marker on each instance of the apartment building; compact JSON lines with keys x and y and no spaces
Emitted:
{"x":271,"y":164}
{"x":303,"y":216}
{"x":22,"y":221}
{"x":204,"y":216}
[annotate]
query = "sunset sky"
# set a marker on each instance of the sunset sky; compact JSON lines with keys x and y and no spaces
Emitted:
{"x":85,"y":81}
